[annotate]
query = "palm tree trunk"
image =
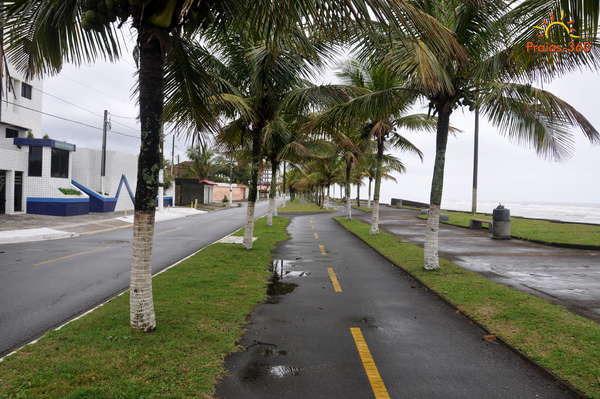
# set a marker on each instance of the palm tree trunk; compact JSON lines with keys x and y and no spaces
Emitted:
{"x":358,"y":194}
{"x":375,"y":210}
{"x":369,"y":201}
{"x":151,"y":93}
{"x":272,"y":194}
{"x":432,"y":261}
{"x":283,"y":180}
{"x":348,"y":204}
{"x":253,"y":190}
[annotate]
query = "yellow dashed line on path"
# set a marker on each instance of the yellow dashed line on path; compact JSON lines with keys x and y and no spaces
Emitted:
{"x":377,"y":385}
{"x":322,"y":249}
{"x":334,"y":280}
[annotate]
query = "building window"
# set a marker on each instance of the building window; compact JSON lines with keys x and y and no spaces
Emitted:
{"x":11,"y":133}
{"x":60,"y":163}
{"x":26,"y":90}
{"x":35,"y":161}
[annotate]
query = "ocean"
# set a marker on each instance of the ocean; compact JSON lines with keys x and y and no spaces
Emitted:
{"x":568,"y":212}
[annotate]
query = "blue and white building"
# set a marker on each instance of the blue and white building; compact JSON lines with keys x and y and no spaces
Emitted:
{"x":52,"y":177}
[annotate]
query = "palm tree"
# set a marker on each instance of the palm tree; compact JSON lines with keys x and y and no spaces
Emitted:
{"x":494,"y":79}
{"x":282,"y":141}
{"x":390,"y":164}
{"x":205,"y":162}
{"x":381,"y":102}
{"x":42,"y":35}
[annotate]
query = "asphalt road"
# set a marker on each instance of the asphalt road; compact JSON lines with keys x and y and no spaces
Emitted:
{"x":43,"y":284}
{"x":382,"y":336}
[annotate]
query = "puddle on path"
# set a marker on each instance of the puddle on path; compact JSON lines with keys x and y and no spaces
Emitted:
{"x":260,"y":369}
{"x":282,"y":270}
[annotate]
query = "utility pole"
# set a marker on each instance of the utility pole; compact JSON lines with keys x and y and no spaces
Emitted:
{"x":1,"y":56}
{"x":161,"y":189}
{"x":475,"y":163}
{"x":105,"y":128}
{"x":173,"y":156}
{"x":231,"y":181}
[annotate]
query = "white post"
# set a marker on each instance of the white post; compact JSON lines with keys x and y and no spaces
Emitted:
{"x":161,"y":190}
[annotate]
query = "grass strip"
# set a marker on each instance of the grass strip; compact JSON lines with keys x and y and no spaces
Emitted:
{"x":544,"y":231}
{"x":558,"y":340}
{"x":201,"y":308}
{"x":299,"y":206}
{"x":365,"y":209}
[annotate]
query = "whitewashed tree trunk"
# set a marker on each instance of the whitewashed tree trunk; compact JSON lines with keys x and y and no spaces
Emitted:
{"x":431,"y":238}
{"x":432,"y":261}
{"x":249,"y":231}
{"x":271,"y":212}
{"x":275,"y":211}
{"x":375,"y":211}
{"x":141,"y":305}
{"x":375,"y":218}
{"x":348,"y":208}
{"x":369,"y":200}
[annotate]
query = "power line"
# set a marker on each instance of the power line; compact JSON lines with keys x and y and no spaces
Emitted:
{"x":123,"y":117}
{"x":69,"y":120}
{"x":67,"y":102}
{"x":82,"y":108}
{"x":122,"y":124}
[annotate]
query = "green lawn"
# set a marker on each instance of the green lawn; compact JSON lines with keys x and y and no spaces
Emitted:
{"x":201,"y":307}
{"x":537,"y":230}
{"x":301,"y":206}
{"x":363,"y":208}
{"x":552,"y":336}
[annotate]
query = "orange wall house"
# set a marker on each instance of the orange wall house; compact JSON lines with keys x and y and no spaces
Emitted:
{"x":221,"y":190}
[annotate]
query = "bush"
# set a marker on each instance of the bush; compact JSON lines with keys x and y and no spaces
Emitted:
{"x":69,"y":191}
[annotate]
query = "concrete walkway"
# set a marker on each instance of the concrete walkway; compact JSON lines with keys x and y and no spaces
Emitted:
{"x":570,"y":277}
{"x":356,"y":326}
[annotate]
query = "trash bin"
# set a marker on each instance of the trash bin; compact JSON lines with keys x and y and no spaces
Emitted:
{"x":501,"y":223}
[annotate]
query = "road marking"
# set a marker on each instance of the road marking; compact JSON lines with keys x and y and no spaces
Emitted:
{"x":103,"y":230}
{"x":45,"y":262}
{"x":377,"y":385}
{"x":168,"y":231}
{"x":334,"y":280}
{"x":316,"y":236}
{"x":322,"y":249}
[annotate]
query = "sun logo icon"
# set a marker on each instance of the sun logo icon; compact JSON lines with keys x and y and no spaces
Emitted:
{"x":563,"y":23}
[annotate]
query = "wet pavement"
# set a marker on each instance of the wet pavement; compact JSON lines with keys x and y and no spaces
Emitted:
{"x":570,"y":277}
{"x":404,"y":341}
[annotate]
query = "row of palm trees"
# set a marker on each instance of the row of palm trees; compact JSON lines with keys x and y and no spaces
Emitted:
{"x":242,"y":71}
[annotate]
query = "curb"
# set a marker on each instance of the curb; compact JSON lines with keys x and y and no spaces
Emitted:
{"x":555,"y":377}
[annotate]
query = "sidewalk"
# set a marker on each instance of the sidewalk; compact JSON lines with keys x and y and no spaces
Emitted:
{"x":570,"y":277}
{"x":28,"y":228}
{"x":355,"y":326}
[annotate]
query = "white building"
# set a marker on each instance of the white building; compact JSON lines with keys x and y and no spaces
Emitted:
{"x":46,"y":176}
{"x":20,"y":103}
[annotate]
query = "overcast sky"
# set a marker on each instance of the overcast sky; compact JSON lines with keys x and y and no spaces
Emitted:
{"x":508,"y":172}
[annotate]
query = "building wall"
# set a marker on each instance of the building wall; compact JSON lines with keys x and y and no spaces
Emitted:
{"x":221,"y":190}
{"x":13,"y":114}
{"x":86,"y":170}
